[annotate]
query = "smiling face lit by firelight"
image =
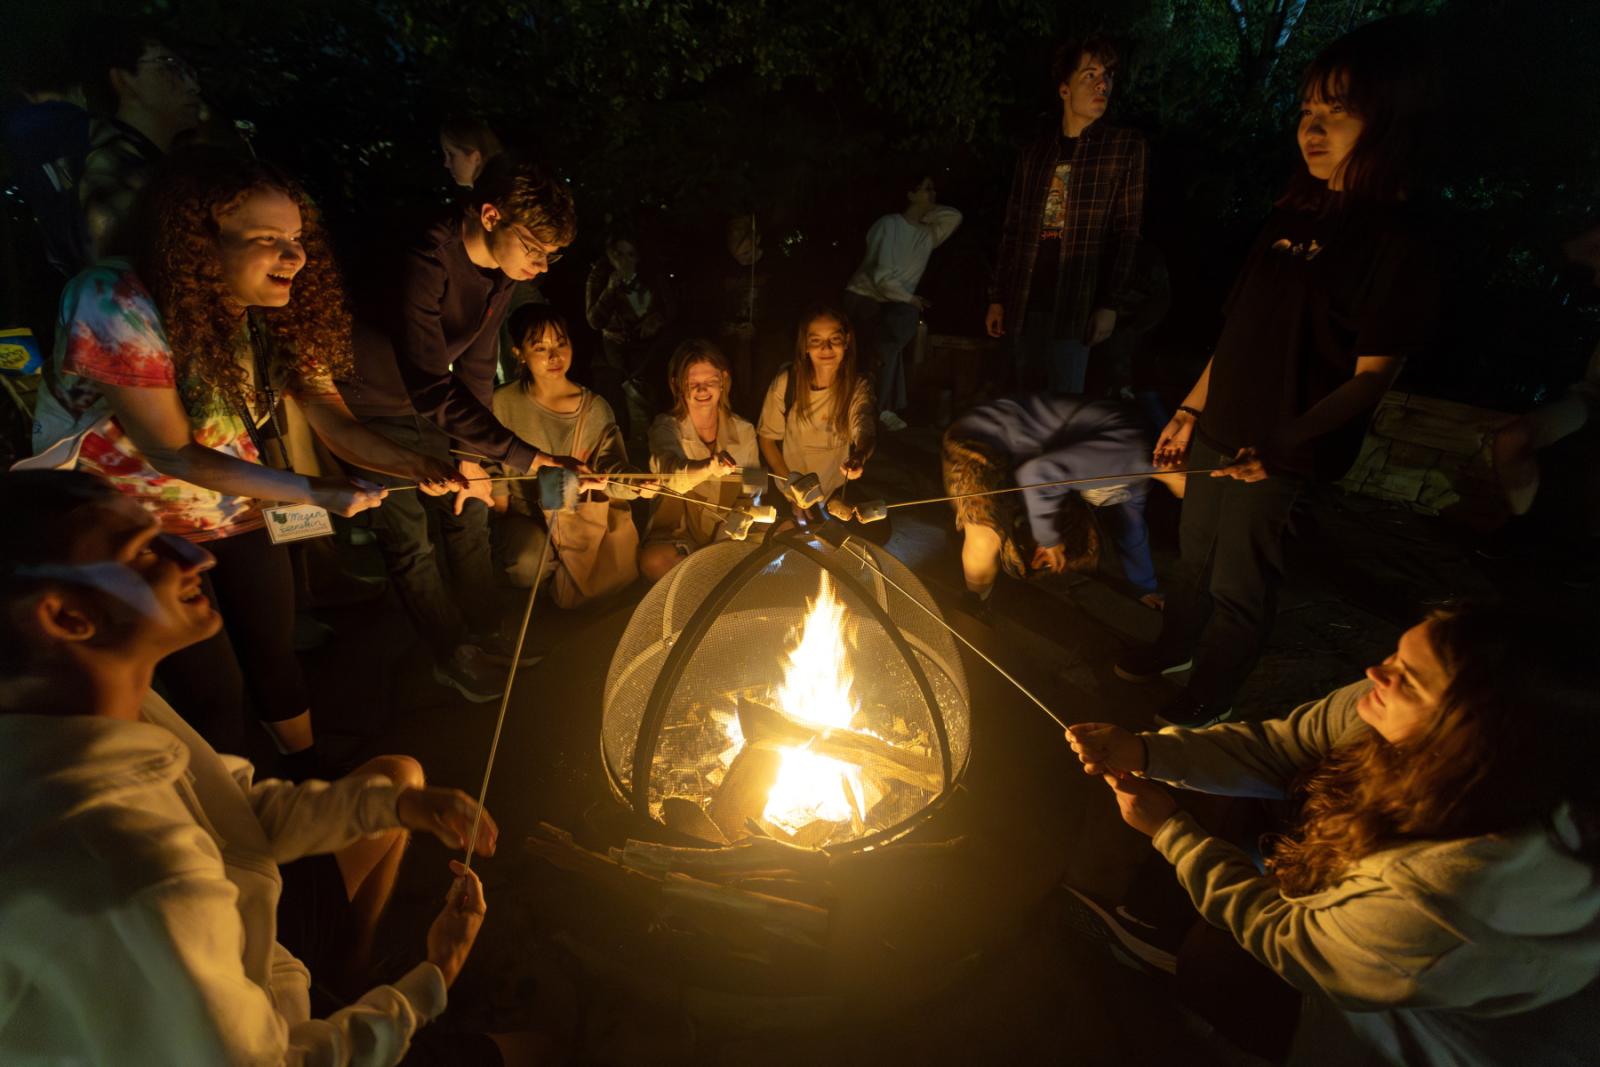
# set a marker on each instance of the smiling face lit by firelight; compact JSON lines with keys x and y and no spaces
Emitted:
{"x":1328,"y":133}
{"x":1407,"y":688}
{"x":548,"y":356}
{"x":260,"y":247}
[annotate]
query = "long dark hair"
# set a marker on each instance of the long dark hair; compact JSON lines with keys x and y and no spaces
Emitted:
{"x":1513,"y":738}
{"x":1385,"y":74}
{"x":805,"y":375}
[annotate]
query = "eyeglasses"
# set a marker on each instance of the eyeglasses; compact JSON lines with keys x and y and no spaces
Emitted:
{"x":534,"y":252}
{"x":174,"y":66}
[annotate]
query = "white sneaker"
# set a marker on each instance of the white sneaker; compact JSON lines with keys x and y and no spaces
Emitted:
{"x":892,"y":422}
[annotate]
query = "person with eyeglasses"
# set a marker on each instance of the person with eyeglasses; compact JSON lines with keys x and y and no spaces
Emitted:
{"x":146,"y":95}
{"x":427,"y":348}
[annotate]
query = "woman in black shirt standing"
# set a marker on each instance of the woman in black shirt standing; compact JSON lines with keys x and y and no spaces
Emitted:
{"x":1337,"y":292}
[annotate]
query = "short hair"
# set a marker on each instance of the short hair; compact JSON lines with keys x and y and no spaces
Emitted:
{"x":114,"y":43}
{"x":1070,"y":53}
{"x":43,"y":510}
{"x":527,"y":194}
{"x":472,"y":133}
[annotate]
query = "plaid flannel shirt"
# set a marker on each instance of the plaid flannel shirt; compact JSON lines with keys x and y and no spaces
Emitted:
{"x":1104,"y":203}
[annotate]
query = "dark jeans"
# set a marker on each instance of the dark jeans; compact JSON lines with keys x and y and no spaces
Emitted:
{"x":883,"y":330}
{"x":1042,"y":360}
{"x":1221,"y":607}
{"x":443,"y":609}
{"x":251,"y":660}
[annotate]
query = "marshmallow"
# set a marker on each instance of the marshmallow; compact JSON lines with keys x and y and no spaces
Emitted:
{"x":840,"y":510}
{"x":871,"y":511}
{"x":804,"y":489}
{"x":737,"y":525}
{"x":762,"y":513}
{"x":558,"y":489}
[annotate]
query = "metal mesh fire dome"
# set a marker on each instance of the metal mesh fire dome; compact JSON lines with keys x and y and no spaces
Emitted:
{"x":782,"y":688}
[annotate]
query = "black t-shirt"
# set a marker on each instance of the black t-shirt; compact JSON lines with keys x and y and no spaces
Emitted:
{"x":1052,"y":220}
{"x":1316,"y":293}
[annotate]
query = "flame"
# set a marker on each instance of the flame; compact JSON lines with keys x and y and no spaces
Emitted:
{"x":817,"y":688}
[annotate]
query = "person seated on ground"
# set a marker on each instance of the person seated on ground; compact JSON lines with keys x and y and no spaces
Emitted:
{"x":881,"y":297}
{"x":593,"y":550}
{"x":698,"y":447}
{"x":177,"y":361}
{"x":1437,"y":898}
{"x":147,"y":95}
{"x":630,"y":301}
{"x":819,"y":416}
{"x":468,"y":143}
{"x":1028,"y":440}
{"x":140,"y":911}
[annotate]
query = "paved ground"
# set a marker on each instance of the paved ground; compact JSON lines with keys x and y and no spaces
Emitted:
{"x":963,"y":961}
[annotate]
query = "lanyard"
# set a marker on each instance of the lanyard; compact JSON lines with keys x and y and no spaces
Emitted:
{"x":277,"y":457}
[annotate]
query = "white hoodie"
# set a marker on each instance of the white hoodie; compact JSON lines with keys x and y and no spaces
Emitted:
{"x":1482,"y":950}
{"x":138,"y":895}
{"x":897,"y":254}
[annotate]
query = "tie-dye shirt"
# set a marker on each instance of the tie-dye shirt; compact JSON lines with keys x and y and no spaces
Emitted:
{"x":114,"y":337}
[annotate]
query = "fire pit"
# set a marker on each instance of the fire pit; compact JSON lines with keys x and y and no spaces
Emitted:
{"x":782,"y":689}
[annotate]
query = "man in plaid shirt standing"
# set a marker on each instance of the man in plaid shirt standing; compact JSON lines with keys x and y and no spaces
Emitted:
{"x":1071,"y":227}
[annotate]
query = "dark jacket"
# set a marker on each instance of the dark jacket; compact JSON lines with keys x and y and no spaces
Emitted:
{"x":432,"y":347}
{"x":1104,"y":204}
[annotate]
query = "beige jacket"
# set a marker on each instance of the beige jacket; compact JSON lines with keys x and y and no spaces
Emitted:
{"x":674,"y":445}
{"x":1480,"y":950}
{"x":138,"y":902}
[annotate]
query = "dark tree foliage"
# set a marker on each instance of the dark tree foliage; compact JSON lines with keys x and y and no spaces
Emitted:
{"x":673,"y":114}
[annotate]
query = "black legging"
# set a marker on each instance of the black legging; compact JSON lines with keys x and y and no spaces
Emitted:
{"x":251,"y":660}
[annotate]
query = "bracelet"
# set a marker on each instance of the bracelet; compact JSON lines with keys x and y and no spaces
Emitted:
{"x":1186,"y":408}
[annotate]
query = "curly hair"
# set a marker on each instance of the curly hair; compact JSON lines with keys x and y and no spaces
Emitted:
{"x":177,"y":256}
{"x":1512,"y":739}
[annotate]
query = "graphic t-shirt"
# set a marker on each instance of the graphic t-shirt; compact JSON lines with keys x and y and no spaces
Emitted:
{"x":115,"y":337}
{"x":1053,"y":221}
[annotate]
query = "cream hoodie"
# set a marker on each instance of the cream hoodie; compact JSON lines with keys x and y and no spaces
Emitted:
{"x":138,"y":895}
{"x":1483,"y":950}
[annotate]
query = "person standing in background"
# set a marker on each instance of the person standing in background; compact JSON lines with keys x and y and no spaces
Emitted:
{"x":881,"y":298}
{"x":1071,"y":228}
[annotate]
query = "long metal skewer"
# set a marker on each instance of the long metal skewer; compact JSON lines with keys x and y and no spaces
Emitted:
{"x":869,"y":562}
{"x":505,"y":700}
{"x":1050,"y":485}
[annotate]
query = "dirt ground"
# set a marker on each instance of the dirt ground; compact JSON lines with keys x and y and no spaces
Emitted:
{"x":964,"y":960}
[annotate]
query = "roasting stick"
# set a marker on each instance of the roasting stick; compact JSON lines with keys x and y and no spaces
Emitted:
{"x":867,"y":560}
{"x":1050,"y":485}
{"x":505,"y":700}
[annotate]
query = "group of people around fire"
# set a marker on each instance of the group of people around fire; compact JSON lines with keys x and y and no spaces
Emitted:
{"x":217,"y":383}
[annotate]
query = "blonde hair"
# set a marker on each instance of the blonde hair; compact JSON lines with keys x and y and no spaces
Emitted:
{"x":687,"y":354}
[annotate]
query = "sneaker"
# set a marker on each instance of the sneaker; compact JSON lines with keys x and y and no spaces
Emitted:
{"x":891,"y":421}
{"x":1138,"y":943}
{"x":1145,"y":664}
{"x":1191,"y":714}
{"x":469,"y":674}
{"x":498,"y":646}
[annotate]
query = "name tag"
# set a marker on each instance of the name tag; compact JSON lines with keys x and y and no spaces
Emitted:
{"x":297,"y":522}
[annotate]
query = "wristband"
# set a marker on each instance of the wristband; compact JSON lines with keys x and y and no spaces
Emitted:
{"x":1192,"y":411}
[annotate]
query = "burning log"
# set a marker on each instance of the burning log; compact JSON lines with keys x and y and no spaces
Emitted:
{"x":743,"y":794}
{"x":687,"y":817}
{"x":748,"y":858}
{"x":766,"y":728}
